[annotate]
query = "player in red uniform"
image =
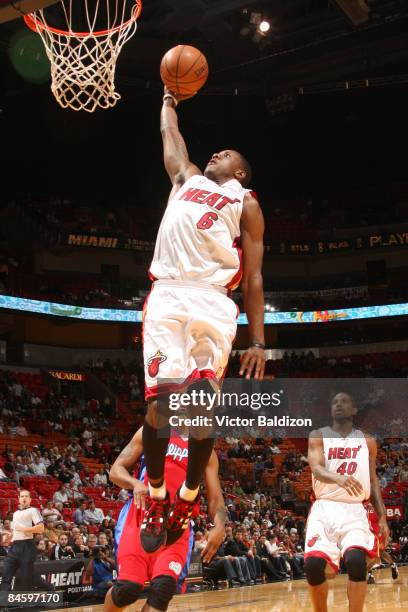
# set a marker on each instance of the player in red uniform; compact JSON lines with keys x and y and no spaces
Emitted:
{"x":211,"y":219}
{"x":384,"y":554}
{"x":166,"y":568}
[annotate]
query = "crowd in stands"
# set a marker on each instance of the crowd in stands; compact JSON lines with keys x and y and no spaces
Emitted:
{"x":266,"y":481}
{"x":302,"y":217}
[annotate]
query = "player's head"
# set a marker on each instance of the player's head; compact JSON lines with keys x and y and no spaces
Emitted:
{"x":226,"y":165}
{"x":343,"y":407}
{"x":24,"y":499}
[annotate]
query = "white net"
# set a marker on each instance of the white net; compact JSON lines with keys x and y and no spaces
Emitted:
{"x":83,"y":64}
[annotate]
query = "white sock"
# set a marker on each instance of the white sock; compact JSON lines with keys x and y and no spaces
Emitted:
{"x":188,"y":494}
{"x":159,"y":492}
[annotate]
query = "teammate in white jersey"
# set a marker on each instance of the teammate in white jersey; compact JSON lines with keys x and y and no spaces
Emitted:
{"x":343,"y":464}
{"x":211,"y":235}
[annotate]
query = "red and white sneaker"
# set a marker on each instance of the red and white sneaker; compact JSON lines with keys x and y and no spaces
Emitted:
{"x":179,"y":516}
{"x":153,"y":528}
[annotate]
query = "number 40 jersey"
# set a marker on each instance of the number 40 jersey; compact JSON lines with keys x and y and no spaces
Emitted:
{"x":346,"y":456}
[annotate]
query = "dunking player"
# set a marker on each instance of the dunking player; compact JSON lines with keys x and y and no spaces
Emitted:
{"x":343,"y":464}
{"x":189,"y":319}
{"x":167,"y":567}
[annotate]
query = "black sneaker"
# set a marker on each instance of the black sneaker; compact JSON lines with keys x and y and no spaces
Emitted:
{"x":153,"y":528}
{"x":370,"y":578}
{"x":179,"y":516}
{"x":394,"y":571}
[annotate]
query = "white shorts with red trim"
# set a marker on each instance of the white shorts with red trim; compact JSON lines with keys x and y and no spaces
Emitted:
{"x":188,"y":330}
{"x":333,"y":527}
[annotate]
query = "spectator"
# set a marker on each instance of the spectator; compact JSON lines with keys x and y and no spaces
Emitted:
{"x":42,"y":550}
{"x":92,"y":542}
{"x":79,"y":547}
{"x":51,"y":514}
{"x":80,"y":515}
{"x":100,"y":478}
{"x":5,"y":543}
{"x":38,"y":468}
{"x":61,"y":495}
{"x":93,"y":515}
{"x":103,"y":541}
{"x":62,"y":550}
{"x":221,"y":567}
{"x":20,"y":429}
{"x":267,"y":566}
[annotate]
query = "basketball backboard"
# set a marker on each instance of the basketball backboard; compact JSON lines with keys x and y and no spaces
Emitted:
{"x":10,"y":10}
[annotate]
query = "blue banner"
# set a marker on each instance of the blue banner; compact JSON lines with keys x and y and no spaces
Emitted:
{"x":135,"y":316}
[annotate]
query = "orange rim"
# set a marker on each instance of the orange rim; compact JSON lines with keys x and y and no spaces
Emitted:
{"x":35,"y":24}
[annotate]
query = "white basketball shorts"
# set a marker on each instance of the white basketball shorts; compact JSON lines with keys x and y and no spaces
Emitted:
{"x":333,"y":527}
{"x":188,"y":330}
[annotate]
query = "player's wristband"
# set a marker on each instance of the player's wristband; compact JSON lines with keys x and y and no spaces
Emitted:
{"x":258,"y":345}
{"x":169,"y":96}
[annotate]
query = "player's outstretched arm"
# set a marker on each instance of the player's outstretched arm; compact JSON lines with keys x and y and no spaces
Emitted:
{"x":376,"y":497}
{"x":176,"y":159}
{"x":216,"y":508}
{"x":120,"y":471}
{"x":320,"y":472}
{"x":252,"y":231}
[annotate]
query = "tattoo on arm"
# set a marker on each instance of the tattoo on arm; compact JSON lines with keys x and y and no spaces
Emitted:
{"x":126,"y":452}
{"x":221,"y":512}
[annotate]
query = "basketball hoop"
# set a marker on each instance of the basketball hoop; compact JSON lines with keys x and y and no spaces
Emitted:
{"x":83,"y":64}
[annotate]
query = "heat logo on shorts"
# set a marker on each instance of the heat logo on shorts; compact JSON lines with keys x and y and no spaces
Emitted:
{"x":154,"y":362}
{"x":313,"y":541}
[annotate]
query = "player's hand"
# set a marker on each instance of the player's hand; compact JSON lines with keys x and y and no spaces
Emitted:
{"x":384,"y":530}
{"x":178,"y":96}
{"x":215,"y":538}
{"x":21,"y":528}
{"x":139,"y":495}
{"x":352,"y":485}
{"x":253,"y":363}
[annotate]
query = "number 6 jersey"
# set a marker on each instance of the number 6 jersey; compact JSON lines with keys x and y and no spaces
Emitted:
{"x":198,"y":239}
{"x":346,"y":456}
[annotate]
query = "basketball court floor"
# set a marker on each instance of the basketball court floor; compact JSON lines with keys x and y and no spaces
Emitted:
{"x":386,"y":595}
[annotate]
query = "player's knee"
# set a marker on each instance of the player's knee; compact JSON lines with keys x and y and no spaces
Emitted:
{"x":356,"y":565}
{"x":162,"y":589}
{"x":315,"y":570}
{"x":125,"y":592}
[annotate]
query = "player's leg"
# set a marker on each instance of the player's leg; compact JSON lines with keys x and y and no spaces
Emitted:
{"x":356,"y":566}
{"x":208,"y":338}
{"x":321,"y":554}
{"x":162,"y":590}
{"x":122,"y":594}
{"x":315,"y":570}
{"x":357,"y":543}
{"x":388,"y":559}
{"x":169,"y":567}
{"x":132,"y":561}
{"x":165,"y":365}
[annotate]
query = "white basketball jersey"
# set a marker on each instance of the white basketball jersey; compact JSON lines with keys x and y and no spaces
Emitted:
{"x":198,"y":238}
{"x":349,"y":457}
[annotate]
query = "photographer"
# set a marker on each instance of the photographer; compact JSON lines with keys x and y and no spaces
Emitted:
{"x":100,"y":569}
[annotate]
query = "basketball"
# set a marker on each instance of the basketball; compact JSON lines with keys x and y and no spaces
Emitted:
{"x":184,"y":70}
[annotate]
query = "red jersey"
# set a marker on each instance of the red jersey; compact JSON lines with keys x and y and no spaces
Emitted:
{"x":374,"y":526}
{"x":175,"y":466}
